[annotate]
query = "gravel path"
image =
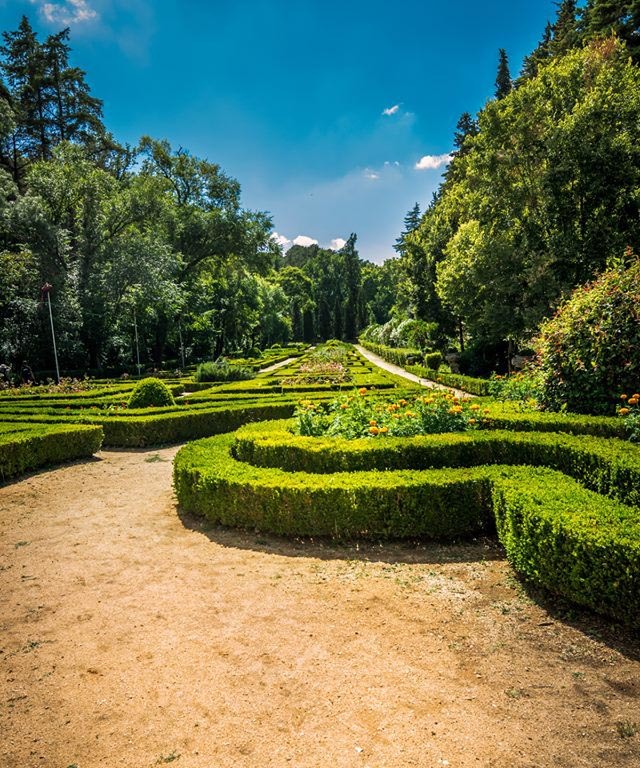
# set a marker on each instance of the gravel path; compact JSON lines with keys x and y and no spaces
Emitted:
{"x":398,"y":371}
{"x":134,"y":636}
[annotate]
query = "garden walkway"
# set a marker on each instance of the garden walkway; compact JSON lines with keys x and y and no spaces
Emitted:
{"x":134,"y":636}
{"x":398,"y":371}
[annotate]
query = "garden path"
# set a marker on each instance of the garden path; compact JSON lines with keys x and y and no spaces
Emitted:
{"x":135,"y":636}
{"x":398,"y":371}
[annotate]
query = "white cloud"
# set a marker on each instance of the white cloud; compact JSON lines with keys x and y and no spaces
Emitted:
{"x":281,"y":240}
{"x":304,"y":240}
{"x":431,"y":162}
{"x":391,"y":110}
{"x":371,"y":175}
{"x":337,"y":243}
{"x":67,"y":11}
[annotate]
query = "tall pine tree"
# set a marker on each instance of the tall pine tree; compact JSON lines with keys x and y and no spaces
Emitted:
{"x":503,"y":78}
{"x":601,"y":17}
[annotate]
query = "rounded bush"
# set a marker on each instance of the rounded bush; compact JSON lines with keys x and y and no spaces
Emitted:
{"x":589,"y":352}
{"x":151,"y":392}
{"x":433,"y":360}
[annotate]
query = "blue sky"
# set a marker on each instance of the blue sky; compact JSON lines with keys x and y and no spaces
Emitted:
{"x":289,"y":96}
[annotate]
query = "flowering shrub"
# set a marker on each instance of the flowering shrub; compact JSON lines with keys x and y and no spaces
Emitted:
{"x":630,"y":412}
{"x":523,"y":387}
{"x":361,"y":415}
{"x":589,"y":351}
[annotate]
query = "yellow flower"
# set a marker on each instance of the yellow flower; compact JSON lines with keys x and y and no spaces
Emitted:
{"x":403,"y":402}
{"x":486,"y":410}
{"x":362,"y":391}
{"x":344,"y":406}
{"x":474,"y":407}
{"x":455,"y":409}
{"x":373,"y":423}
{"x":384,"y":430}
{"x":374,"y":430}
{"x":473,"y":421}
{"x":624,"y":411}
{"x":623,"y":397}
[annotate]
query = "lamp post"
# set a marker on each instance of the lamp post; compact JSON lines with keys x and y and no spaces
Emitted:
{"x":135,"y":328}
{"x":46,"y":291}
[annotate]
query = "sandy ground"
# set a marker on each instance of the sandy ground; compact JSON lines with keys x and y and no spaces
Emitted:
{"x":134,"y":636}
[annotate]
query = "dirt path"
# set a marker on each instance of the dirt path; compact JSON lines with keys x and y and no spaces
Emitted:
{"x":133,"y":637}
{"x":398,"y":371}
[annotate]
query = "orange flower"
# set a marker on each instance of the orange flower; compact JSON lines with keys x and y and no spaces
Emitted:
{"x":624,"y":411}
{"x":374,"y":430}
{"x":344,"y":406}
{"x":623,"y":397}
{"x":473,"y":421}
{"x":634,"y":400}
{"x":373,"y":423}
{"x":362,"y":391}
{"x":474,"y":407}
{"x":384,"y":430}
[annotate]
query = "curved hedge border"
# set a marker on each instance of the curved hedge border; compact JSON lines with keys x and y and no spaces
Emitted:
{"x":556,"y":532}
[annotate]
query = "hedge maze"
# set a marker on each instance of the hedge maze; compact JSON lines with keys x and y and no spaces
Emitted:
{"x":565,"y":507}
{"x":561,"y":491}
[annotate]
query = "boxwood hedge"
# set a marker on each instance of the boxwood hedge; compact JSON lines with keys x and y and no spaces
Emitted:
{"x":25,"y":447}
{"x":557,"y":532}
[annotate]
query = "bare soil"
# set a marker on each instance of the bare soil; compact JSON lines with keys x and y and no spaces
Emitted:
{"x":133,"y":635}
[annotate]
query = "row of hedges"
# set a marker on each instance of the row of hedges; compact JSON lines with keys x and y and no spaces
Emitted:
{"x":407,"y":359}
{"x":470,"y":384}
{"x":569,"y":539}
{"x":27,"y":447}
{"x":610,"y":467}
{"x":397,"y":355}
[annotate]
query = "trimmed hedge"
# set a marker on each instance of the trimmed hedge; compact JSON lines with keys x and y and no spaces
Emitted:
{"x":150,"y":392}
{"x":556,"y":532}
{"x":610,"y":467}
{"x":404,"y":358}
{"x":29,"y":447}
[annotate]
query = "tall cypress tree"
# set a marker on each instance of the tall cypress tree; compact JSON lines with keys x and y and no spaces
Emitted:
{"x":503,"y":78}
{"x":353,"y":284}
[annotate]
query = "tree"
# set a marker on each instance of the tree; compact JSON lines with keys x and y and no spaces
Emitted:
{"x":622,"y":17}
{"x":411,"y":222}
{"x":539,"y":56}
{"x":566,"y":33}
{"x":503,"y":78}
{"x":354,"y":317}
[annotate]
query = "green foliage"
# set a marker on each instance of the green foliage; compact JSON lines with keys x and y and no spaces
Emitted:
{"x":522,"y":387}
{"x":589,"y":352}
{"x":222,"y":370}
{"x":27,"y":447}
{"x":433,"y":361}
{"x":363,"y":415}
{"x":629,"y":411}
{"x":150,"y":393}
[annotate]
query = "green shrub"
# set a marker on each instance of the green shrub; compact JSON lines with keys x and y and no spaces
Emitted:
{"x":221,"y":370}
{"x":589,"y":352}
{"x":28,"y":447}
{"x":433,"y":361}
{"x":150,"y":393}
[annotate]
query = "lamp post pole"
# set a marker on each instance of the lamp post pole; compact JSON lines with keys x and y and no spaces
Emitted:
{"x":46,"y":291}
{"x":135,"y":327}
